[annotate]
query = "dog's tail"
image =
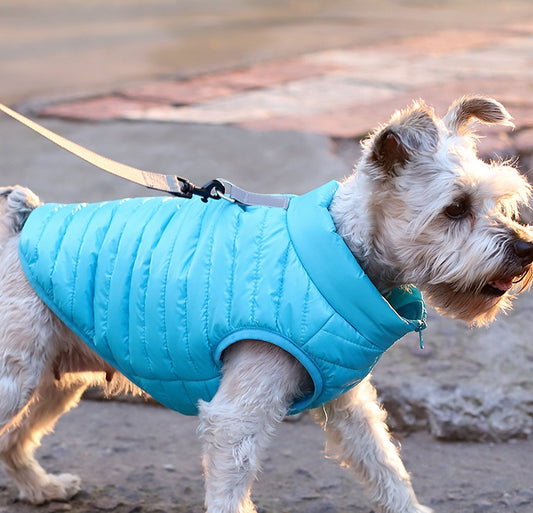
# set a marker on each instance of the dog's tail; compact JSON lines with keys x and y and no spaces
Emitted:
{"x":16,"y":204}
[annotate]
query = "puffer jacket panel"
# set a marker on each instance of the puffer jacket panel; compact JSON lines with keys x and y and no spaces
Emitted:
{"x":154,"y":285}
{"x":159,"y":287}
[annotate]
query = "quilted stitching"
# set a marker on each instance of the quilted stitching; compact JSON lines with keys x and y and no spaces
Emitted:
{"x":177,"y":281}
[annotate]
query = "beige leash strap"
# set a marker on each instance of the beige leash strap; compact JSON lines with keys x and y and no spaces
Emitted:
{"x":161,"y":182}
{"x":176,"y":185}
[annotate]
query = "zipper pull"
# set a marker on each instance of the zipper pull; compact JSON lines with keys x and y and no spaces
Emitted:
{"x":421,"y":326}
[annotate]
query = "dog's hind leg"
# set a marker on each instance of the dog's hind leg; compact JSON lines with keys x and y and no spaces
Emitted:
{"x":25,"y":324}
{"x":30,"y":400}
{"x":259,"y":383}
{"x":358,"y":436}
{"x":21,"y":437}
{"x":26,"y":335}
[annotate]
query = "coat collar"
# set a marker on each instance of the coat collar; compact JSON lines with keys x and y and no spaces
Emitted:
{"x":341,"y":280}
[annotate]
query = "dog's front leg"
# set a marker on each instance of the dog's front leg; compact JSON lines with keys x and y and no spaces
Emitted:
{"x":259,"y":383}
{"x":358,"y":436}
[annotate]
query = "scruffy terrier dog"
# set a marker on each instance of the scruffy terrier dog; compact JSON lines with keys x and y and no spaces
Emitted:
{"x":421,"y":210}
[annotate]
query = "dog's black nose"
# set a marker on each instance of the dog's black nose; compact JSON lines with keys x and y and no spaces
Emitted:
{"x":523,"y":250}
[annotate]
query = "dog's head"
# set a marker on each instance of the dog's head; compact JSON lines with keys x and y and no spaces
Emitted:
{"x":440,"y":217}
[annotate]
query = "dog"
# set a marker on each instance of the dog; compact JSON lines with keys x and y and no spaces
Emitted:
{"x":421,"y":210}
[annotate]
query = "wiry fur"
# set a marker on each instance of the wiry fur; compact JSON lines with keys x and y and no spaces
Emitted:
{"x":420,"y":209}
{"x":400,"y":231}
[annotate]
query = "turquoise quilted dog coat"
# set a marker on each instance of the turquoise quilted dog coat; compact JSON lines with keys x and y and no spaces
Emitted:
{"x":159,"y":287}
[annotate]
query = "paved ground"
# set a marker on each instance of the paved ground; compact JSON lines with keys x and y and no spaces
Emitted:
{"x":144,"y":459}
{"x":273,"y":96}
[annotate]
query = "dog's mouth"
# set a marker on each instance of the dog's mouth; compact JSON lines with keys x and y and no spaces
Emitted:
{"x":499,"y":286}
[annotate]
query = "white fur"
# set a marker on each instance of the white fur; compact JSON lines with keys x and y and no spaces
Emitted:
{"x":393,"y":215}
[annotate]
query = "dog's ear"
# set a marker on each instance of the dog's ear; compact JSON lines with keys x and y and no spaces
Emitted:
{"x":409,"y":132}
{"x":466,"y":111}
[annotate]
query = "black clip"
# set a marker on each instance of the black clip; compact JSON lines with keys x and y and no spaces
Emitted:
{"x":213,"y":189}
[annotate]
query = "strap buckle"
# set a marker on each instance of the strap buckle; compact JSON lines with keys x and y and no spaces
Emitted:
{"x":214,"y":189}
{"x":222,"y":189}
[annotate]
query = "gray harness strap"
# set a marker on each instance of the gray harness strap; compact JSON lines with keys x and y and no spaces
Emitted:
{"x":252,"y":198}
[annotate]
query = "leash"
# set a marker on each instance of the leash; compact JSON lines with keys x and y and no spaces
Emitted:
{"x":172,"y":184}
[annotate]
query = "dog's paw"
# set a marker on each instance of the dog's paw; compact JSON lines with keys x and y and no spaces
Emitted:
{"x":60,"y":487}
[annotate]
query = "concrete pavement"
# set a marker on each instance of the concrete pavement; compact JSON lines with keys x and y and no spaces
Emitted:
{"x":145,"y":459}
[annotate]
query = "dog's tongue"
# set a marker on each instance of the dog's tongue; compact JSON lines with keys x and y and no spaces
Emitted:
{"x":504,"y":285}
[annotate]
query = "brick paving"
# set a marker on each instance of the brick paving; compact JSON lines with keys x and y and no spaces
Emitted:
{"x":339,"y":93}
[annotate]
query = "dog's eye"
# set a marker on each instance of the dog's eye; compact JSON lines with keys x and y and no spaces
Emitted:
{"x":458,"y":209}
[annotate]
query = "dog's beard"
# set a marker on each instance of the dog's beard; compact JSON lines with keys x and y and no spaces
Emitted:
{"x":478,"y":305}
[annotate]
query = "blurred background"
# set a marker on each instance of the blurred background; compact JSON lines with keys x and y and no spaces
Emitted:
{"x":54,"y":47}
{"x":279,"y":89}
